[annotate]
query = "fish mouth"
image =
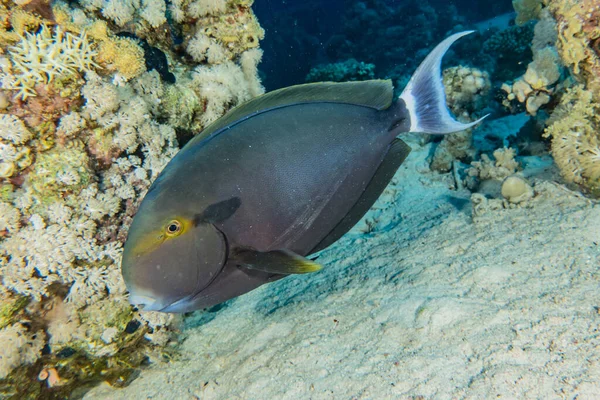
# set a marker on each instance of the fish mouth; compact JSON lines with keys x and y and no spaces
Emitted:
{"x":149,"y":303}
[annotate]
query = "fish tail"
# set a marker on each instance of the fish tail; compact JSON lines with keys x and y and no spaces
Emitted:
{"x":424,"y":96}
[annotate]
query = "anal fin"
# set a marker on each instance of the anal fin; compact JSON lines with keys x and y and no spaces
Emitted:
{"x":395,"y":156}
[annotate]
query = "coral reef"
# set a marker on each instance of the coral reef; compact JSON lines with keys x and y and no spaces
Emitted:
{"x":566,"y":34}
{"x":87,"y":121}
{"x":508,"y":49}
{"x":573,"y":126}
{"x":539,"y":83}
{"x":579,"y":39}
{"x":349,"y":70}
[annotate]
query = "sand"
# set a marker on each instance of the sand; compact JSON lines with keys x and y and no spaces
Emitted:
{"x":420,"y":300}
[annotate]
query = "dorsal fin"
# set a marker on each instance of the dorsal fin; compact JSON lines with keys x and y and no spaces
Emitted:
{"x":375,"y":94}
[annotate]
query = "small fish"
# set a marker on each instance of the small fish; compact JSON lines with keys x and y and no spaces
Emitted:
{"x":285,"y":175}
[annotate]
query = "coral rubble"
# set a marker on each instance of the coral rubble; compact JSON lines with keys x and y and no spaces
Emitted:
{"x":87,"y":121}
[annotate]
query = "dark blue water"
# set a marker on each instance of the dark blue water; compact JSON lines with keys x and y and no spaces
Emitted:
{"x":390,"y":34}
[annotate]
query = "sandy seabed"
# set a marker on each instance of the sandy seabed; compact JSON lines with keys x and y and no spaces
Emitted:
{"x":420,"y":300}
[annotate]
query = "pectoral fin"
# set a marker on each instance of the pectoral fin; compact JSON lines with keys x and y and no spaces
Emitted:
{"x":276,"y":261}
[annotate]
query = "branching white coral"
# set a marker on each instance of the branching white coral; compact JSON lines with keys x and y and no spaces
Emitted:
{"x":176,"y":10}
{"x":89,"y":285}
{"x":39,"y":57}
{"x":249,"y":62}
{"x":8,"y":153}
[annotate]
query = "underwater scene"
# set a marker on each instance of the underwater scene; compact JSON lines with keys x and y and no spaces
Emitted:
{"x":286,"y":199}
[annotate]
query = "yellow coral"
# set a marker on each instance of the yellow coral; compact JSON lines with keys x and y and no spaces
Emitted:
{"x":578,"y":39}
{"x":123,"y":55}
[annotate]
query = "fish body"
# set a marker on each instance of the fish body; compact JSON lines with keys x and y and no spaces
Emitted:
{"x":272,"y":182}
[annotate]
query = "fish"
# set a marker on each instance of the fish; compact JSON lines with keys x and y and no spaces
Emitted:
{"x":254,"y":196}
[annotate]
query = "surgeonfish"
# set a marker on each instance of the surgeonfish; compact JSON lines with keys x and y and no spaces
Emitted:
{"x":248,"y":200}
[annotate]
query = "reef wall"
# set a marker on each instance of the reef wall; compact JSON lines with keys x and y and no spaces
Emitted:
{"x":96,"y":96}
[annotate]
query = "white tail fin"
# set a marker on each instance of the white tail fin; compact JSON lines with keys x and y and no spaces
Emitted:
{"x":425,"y":98}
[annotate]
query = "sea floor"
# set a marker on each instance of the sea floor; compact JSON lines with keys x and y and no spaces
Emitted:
{"x":420,"y":300}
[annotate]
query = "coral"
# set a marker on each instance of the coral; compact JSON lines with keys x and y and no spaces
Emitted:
{"x":466,"y":89}
{"x":527,"y":10}
{"x":538,"y":85}
{"x":13,"y":129}
{"x":39,"y":57}
{"x":216,"y":35}
{"x":521,"y":91}
{"x":349,"y":70}
{"x":502,"y":166}
{"x":516,"y":189}
{"x":18,"y":347}
{"x":466,"y":93}
{"x":544,"y":31}
{"x":545,"y":69}
{"x":579,"y":39}
{"x":14,"y":154}
{"x":9,"y":218}
{"x":509,"y":48}
{"x":123,"y":12}
{"x":574,"y":128}
{"x":224,"y":85}
{"x":514,"y":40}
{"x":123,"y":55}
{"x":202,"y":47}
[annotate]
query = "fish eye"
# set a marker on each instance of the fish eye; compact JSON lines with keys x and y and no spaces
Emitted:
{"x":173,"y":228}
